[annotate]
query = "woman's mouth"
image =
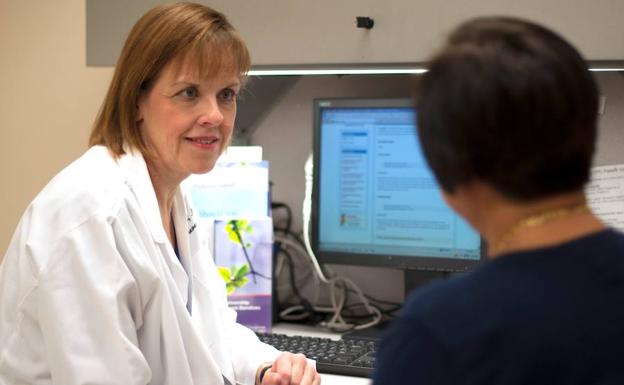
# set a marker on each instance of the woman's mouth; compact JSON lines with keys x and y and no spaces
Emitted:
{"x":203,"y":141}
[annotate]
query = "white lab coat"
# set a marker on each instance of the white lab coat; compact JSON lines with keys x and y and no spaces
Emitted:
{"x":91,"y":291}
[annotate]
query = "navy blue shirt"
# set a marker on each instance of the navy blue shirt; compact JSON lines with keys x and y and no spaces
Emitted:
{"x":549,"y":316}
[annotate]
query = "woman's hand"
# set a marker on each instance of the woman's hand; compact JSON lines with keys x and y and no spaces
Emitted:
{"x":291,"y":369}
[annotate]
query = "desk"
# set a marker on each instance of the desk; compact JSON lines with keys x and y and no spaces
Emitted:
{"x":303,"y":330}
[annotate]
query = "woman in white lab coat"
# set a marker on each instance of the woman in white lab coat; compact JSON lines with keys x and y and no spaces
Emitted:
{"x":108,"y":279}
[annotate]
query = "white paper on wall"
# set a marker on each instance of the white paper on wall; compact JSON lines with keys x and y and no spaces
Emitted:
{"x":605,"y":194}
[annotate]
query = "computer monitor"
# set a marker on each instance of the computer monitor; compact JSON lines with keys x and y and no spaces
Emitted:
{"x":375,"y":200}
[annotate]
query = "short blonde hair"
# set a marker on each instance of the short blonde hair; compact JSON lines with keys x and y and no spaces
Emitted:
{"x":174,"y":33}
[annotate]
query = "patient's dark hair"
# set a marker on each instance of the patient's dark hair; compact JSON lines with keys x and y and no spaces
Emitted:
{"x":509,"y":103}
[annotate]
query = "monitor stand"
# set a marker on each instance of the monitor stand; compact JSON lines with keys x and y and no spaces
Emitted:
{"x":417,"y":278}
{"x":413,"y":280}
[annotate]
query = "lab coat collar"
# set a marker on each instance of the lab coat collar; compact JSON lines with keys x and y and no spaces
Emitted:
{"x":137,"y":178}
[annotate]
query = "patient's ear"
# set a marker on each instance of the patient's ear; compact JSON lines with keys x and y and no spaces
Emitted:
{"x":453,"y":200}
{"x":471,"y":200}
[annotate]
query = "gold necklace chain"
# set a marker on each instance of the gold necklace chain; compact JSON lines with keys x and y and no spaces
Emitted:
{"x":537,"y":220}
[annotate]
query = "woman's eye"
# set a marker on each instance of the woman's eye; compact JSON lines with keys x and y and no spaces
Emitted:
{"x":190,"y":93}
{"x":228,"y":94}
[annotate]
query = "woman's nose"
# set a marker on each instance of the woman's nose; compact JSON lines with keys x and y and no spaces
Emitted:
{"x":211,"y":114}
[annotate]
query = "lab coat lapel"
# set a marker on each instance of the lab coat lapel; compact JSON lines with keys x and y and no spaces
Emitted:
{"x":189,"y":246}
{"x":184,"y":226}
{"x":137,"y":178}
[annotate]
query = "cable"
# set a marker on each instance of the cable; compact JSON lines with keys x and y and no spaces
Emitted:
{"x":295,"y":246}
{"x":336,"y":322}
{"x":307,"y":213}
{"x":339,"y":286}
{"x":291,"y":270}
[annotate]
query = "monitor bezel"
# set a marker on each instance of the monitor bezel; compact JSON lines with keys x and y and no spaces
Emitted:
{"x":412,"y":262}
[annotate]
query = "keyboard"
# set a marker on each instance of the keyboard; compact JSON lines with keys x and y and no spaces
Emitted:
{"x":348,"y":356}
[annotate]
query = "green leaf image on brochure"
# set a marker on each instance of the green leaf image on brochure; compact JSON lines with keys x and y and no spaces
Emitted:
{"x":235,"y":229}
{"x":234,"y":277}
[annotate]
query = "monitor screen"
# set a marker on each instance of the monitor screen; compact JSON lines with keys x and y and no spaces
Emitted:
{"x":375,"y":200}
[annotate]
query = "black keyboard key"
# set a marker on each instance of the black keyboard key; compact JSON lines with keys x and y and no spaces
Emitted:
{"x":350,"y":357}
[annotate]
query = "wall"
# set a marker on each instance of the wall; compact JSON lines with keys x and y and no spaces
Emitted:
{"x":286,"y":32}
{"x":611,"y":135}
{"x":48,"y":101}
{"x":286,"y":136}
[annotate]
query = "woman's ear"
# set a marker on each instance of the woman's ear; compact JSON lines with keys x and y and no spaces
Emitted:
{"x":138,"y":111}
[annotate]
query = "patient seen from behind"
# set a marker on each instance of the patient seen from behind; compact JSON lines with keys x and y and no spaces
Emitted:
{"x":507,"y":118}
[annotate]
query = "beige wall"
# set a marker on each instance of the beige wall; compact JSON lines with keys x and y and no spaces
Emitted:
{"x":48,"y":98}
{"x":320,"y":32}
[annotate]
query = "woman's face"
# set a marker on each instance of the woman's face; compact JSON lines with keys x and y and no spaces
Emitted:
{"x":186,"y":121}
